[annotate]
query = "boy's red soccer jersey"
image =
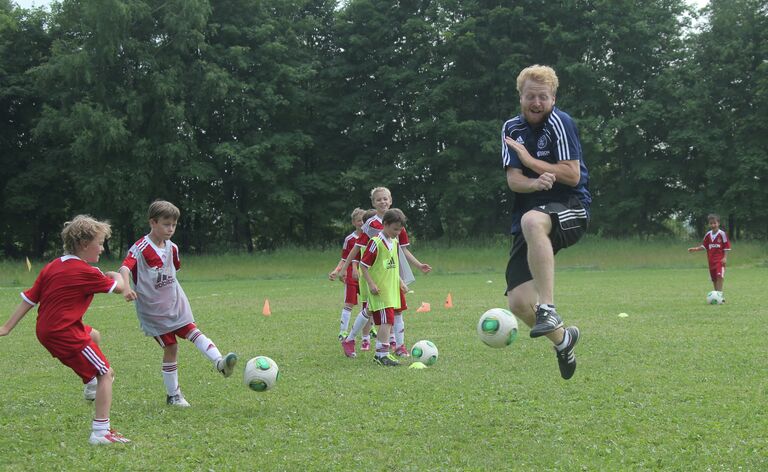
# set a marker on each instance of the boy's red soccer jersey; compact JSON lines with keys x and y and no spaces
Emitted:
{"x":349,"y":244}
{"x":716,"y":244}
{"x":372,"y":227}
{"x":64,"y":289}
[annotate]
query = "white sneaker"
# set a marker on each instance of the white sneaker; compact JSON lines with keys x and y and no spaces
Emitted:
{"x":89,"y":391}
{"x":111,"y":437}
{"x":177,"y":400}
{"x":226,"y":365}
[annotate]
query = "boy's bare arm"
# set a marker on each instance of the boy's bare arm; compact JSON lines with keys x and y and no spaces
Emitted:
{"x":412,"y":260}
{"x":17,"y":315}
{"x":120,"y":287}
{"x":128,"y":292}
{"x":352,"y":254}
{"x":372,"y":287}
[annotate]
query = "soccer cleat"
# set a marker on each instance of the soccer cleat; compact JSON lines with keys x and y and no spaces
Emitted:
{"x":226,"y":364}
{"x":366,"y":345}
{"x":349,"y":348}
{"x":566,"y":359}
{"x":343,"y":335}
{"x":402,"y":351}
{"x":373,"y":331}
{"x":177,"y":400}
{"x":111,"y":437}
{"x":546,"y":322}
{"x":387,"y":361}
{"x":89,"y":391}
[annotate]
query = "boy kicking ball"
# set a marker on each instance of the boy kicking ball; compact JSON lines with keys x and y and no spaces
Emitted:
{"x":161,"y":304}
{"x":63,"y":291}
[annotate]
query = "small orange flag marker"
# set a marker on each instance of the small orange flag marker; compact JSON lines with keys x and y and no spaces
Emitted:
{"x":424,"y":308}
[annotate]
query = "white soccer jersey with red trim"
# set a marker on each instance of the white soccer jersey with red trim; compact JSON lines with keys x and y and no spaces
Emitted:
{"x":161,"y":306}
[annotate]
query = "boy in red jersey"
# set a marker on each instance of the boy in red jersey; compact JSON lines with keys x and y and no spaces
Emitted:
{"x":351,"y":285}
{"x":64,"y":289}
{"x":717,"y":245}
{"x":161,"y":304}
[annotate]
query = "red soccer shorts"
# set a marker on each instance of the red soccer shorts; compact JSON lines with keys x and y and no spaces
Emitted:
{"x":168,"y":339}
{"x":87,"y":363}
{"x":350,"y":293}
{"x":717,"y":271}
{"x":403,"y":305}
{"x":384,"y":316}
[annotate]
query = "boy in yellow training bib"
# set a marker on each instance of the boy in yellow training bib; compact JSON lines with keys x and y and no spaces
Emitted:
{"x":380,"y":268}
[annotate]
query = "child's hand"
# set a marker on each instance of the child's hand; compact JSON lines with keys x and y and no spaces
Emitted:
{"x":692,"y":249}
{"x":373,"y":289}
{"x":130,"y":295}
{"x":425,"y":268}
{"x":355,"y":275}
{"x":332,"y":275}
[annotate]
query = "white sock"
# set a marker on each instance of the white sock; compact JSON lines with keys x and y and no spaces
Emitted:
{"x":367,"y":338}
{"x":358,"y":325}
{"x":205,"y":345}
{"x":382,"y":350}
{"x":344,"y":324}
{"x":171,"y":377}
{"x":566,"y":340}
{"x":93,"y":382}
{"x":399,"y":328}
{"x":100,"y":426}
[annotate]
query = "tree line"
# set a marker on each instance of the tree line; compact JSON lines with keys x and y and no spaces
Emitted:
{"x":268,"y":121}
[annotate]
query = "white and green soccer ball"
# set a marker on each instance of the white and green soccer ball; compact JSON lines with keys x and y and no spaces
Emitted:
{"x":715,"y":298}
{"x":261,"y":374}
{"x":425,"y":352}
{"x":497,"y":327}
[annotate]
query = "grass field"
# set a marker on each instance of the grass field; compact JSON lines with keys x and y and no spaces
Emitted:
{"x":677,"y":385}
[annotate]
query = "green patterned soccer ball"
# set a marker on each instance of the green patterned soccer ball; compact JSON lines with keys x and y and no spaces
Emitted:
{"x":497,"y":327}
{"x":260,"y":374}
{"x":425,"y":352}
{"x":714,"y":298}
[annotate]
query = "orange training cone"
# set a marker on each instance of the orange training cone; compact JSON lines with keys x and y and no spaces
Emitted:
{"x":266,"y":311}
{"x":424,"y":308}
{"x":449,"y":301}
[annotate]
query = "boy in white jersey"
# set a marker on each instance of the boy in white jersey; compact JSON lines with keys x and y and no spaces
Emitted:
{"x":161,"y":305}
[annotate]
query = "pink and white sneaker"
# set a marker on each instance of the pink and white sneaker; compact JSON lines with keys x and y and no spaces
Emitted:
{"x":349,"y":348}
{"x":366,"y":345}
{"x":402,"y":351}
{"x":111,"y":437}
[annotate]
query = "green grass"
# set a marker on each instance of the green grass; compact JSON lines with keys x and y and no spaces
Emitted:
{"x":678,"y":385}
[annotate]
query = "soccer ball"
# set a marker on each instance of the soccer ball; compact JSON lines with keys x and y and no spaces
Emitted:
{"x":497,"y":327}
{"x":261,"y":373}
{"x":424,"y":351}
{"x":714,"y":298}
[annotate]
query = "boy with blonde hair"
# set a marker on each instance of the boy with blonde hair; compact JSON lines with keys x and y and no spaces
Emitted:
{"x":161,"y":304}
{"x":63,"y":290}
